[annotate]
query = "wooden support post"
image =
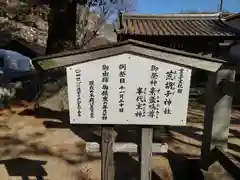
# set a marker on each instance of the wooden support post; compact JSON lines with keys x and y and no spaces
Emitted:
{"x":217,"y":114}
{"x":146,"y":153}
{"x":108,"y":138}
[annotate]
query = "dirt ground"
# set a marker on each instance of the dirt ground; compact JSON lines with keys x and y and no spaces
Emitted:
{"x":42,"y":145}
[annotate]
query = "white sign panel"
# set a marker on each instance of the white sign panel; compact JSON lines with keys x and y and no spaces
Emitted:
{"x":128,"y":89}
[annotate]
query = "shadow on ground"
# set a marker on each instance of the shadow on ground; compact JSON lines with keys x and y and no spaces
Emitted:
{"x":89,"y":133}
{"x":25,"y":168}
{"x":131,"y":171}
{"x":92,"y":133}
{"x":182,"y":168}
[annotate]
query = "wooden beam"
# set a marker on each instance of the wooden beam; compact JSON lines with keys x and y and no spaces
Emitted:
{"x":133,"y":47}
{"x":146,"y":153}
{"x":226,"y":160}
{"x":229,"y":163}
{"x":179,"y":59}
{"x":94,"y":147}
{"x":217,"y":114}
{"x":107,"y":163}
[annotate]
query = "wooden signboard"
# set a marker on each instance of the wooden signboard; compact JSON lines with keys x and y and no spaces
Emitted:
{"x":136,"y":83}
{"x":128,"y":89}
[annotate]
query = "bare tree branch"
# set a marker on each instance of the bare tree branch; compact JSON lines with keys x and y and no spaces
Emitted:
{"x":102,"y":9}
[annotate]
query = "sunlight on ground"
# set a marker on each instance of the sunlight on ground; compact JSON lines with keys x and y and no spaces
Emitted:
{"x":24,"y":135}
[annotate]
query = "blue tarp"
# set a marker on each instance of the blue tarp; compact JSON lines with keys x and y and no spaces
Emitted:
{"x":14,"y":64}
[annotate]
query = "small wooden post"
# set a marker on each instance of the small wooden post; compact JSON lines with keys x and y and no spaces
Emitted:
{"x":108,"y":139}
{"x":146,"y":153}
{"x":217,"y":115}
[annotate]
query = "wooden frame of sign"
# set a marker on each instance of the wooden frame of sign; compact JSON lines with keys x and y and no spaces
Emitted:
{"x":130,"y":83}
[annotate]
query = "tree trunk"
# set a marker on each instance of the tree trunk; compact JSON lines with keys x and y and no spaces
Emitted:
{"x":62,"y":26}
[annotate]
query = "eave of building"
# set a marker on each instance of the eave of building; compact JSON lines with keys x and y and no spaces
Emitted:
{"x":205,"y":25}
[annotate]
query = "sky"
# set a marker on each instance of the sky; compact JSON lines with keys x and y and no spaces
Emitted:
{"x":177,"y":6}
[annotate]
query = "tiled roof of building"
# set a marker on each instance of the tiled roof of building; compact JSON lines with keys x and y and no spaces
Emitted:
{"x":232,"y":17}
{"x":175,"y":25}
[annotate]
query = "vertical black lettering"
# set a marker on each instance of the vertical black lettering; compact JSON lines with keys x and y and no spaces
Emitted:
{"x":122,"y":88}
{"x":170,"y":86}
{"x":105,"y":80}
{"x":154,"y":97}
{"x":91,"y":98}
{"x":78,"y":90}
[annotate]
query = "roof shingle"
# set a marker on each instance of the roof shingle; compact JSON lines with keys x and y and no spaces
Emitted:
{"x":175,"y":25}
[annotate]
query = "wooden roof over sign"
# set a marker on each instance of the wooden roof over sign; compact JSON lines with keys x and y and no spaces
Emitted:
{"x":209,"y":25}
{"x":173,"y":56}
